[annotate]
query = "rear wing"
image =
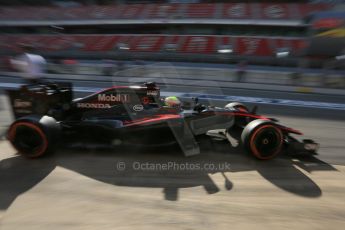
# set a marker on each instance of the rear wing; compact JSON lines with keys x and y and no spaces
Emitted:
{"x":39,"y":98}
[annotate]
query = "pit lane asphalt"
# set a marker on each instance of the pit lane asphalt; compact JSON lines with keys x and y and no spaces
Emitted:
{"x":83,"y":189}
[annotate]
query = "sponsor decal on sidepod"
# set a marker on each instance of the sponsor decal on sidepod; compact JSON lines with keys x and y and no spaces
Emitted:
{"x":113,"y":98}
{"x":138,"y":108}
{"x":93,"y":106}
{"x":22,"y":104}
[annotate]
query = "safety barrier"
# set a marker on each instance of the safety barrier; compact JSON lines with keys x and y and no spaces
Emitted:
{"x":196,"y":76}
{"x":216,"y":74}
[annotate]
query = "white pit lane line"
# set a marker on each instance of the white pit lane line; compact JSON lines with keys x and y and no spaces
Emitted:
{"x":256,"y":100}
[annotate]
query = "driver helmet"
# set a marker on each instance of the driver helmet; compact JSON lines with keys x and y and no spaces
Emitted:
{"x":172,"y":101}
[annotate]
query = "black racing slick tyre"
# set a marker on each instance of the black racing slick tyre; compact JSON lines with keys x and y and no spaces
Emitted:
{"x":34,"y":136}
{"x":263,"y":139}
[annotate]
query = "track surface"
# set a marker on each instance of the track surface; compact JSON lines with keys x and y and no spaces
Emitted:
{"x":83,"y":189}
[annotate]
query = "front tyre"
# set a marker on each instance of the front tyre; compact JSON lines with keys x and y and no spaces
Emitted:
{"x":34,"y":136}
{"x":263,"y":139}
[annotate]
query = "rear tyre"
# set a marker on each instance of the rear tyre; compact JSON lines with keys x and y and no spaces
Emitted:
{"x":34,"y":136}
{"x":263,"y":139}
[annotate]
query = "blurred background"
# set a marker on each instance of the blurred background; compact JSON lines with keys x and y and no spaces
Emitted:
{"x":287,"y":56}
{"x":293,"y":37}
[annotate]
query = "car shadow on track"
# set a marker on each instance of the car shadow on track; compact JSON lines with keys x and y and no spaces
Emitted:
{"x":143,"y":168}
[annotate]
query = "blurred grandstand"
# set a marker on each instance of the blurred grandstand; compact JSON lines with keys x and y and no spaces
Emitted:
{"x":260,"y":32}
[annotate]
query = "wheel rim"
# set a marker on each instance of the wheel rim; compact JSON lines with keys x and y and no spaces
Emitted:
{"x":266,"y":142}
{"x":28,"y":139}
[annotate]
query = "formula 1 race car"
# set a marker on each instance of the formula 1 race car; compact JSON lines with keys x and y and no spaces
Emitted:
{"x":46,"y":114}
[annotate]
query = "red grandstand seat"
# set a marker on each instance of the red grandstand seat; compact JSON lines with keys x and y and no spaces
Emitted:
{"x":274,"y":11}
{"x":172,"y":43}
{"x":292,"y":44}
{"x":132,"y":11}
{"x":85,"y":42}
{"x":17,"y":13}
{"x":282,"y":43}
{"x":30,"y":40}
{"x":224,"y":40}
{"x":124,"y":42}
{"x":236,"y":11}
{"x":51,"y":13}
{"x":11,"y":43}
{"x":147,"y":43}
{"x":27,"y":13}
{"x":5,"y":44}
{"x":253,"y":46}
{"x":103,"y":12}
{"x":225,"y":44}
{"x":75,"y":13}
{"x":15,"y":42}
{"x":200,"y":10}
{"x":163,"y":10}
{"x":295,"y":45}
{"x":103,"y":43}
{"x":57,"y":43}
{"x":298,"y":45}
{"x":198,"y":44}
